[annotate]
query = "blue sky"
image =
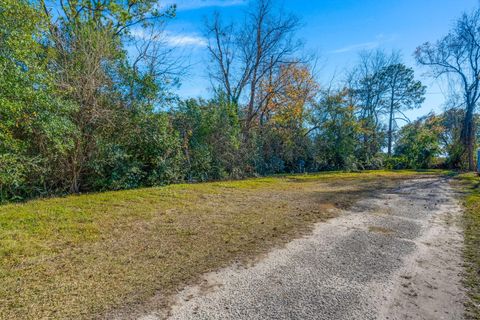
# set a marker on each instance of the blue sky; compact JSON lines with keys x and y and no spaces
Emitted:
{"x":335,"y":30}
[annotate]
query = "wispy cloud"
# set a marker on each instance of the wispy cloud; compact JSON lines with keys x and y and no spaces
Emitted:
{"x":357,"y":46}
{"x":197,"y":4}
{"x":172,"y":39}
{"x":182,"y":40}
{"x":380,"y":39}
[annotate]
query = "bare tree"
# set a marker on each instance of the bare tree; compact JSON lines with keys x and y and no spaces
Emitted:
{"x":153,"y":60}
{"x":244,"y":56}
{"x":366,"y":86}
{"x":457,"y":56}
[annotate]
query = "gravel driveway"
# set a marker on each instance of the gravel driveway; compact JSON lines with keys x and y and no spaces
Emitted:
{"x":393,"y":256}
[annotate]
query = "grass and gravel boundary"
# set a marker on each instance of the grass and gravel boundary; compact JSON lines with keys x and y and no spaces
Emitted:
{"x":469,"y":185}
{"x":84,"y":256}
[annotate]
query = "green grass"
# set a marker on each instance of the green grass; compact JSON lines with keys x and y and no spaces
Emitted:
{"x":470,"y":184}
{"x":82,"y":256}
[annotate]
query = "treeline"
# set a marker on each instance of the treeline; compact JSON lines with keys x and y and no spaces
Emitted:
{"x":87,"y":101}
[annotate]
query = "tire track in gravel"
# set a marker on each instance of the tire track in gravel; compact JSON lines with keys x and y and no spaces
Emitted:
{"x":393,"y":256}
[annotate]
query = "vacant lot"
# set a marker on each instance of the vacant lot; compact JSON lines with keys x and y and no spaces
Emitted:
{"x":82,"y":256}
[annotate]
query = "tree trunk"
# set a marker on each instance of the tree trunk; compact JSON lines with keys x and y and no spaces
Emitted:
{"x":468,"y":137}
{"x":75,"y":169}
{"x":390,"y":129}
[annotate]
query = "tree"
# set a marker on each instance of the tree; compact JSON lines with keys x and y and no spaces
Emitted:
{"x":288,"y":92}
{"x":283,"y":117}
{"x":34,"y":126}
{"x":457,"y":56}
{"x":88,"y":58}
{"x":403,"y":93}
{"x":210,"y":138}
{"x":419,"y":142}
{"x":336,"y":131}
{"x":245,"y":56}
{"x":452,"y":122}
{"x":367,"y":90}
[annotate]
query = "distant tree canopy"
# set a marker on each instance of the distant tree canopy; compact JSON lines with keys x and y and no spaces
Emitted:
{"x":87,"y":101}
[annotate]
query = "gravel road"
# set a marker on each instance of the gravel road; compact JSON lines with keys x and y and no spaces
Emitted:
{"x":393,"y":256}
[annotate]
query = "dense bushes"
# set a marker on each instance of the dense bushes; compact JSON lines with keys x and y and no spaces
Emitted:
{"x":35,"y":129}
{"x":209,"y":133}
{"x":81,"y":110}
{"x":418,"y":143}
{"x":146,"y":153}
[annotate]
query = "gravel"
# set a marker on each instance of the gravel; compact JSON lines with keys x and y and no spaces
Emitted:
{"x":393,"y":256}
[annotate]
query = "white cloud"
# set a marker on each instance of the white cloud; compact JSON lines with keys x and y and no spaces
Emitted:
{"x":357,"y":46}
{"x":182,"y":40}
{"x":172,"y":39}
{"x":380,"y":39}
{"x":197,"y":4}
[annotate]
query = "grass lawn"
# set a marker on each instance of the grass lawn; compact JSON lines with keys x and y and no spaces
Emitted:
{"x":83,"y":256}
{"x":470,"y":183}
